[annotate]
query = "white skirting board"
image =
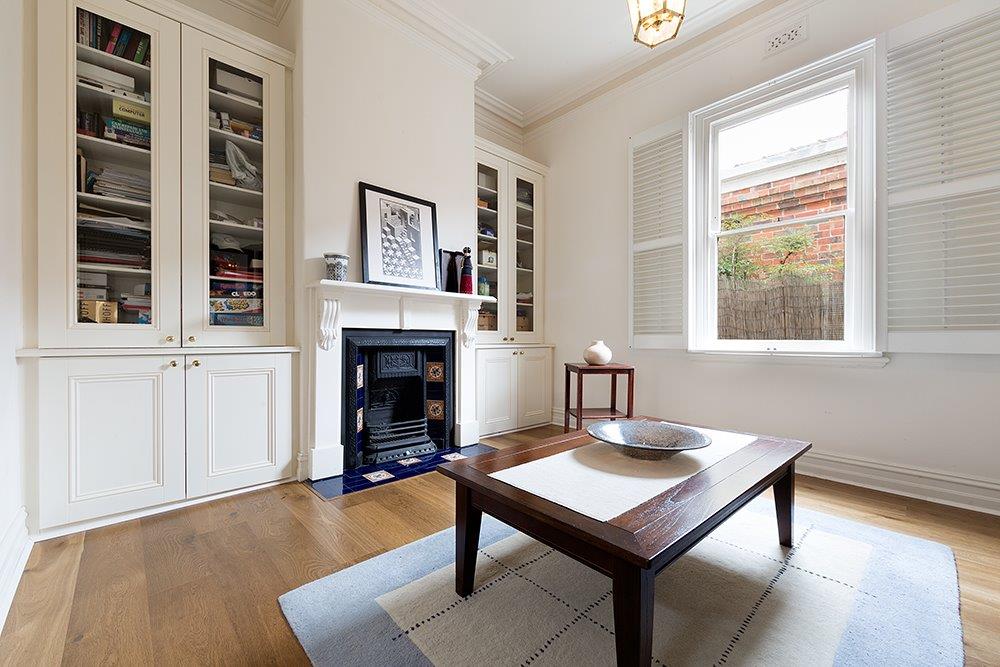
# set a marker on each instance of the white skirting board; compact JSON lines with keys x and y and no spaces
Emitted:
{"x":15,"y":546}
{"x":973,"y":493}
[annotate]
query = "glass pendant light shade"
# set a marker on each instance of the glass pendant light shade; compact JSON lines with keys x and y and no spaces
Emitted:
{"x":655,"y":21}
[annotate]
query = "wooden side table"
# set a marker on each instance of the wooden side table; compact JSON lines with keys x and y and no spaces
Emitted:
{"x":581,"y":413}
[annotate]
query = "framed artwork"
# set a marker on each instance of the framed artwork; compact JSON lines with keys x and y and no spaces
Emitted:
{"x":399,"y":243}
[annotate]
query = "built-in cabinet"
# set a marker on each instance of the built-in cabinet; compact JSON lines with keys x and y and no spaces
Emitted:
{"x":514,"y":387}
{"x":510,"y":206}
{"x":118,"y":434}
{"x":161,"y":370}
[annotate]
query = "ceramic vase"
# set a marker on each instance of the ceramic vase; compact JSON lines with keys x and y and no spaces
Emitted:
{"x":598,"y":354}
{"x":336,"y":265}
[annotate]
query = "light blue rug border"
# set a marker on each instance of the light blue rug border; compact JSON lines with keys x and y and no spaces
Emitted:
{"x":886,"y":628}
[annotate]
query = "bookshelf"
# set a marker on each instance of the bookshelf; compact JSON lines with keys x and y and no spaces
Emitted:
{"x":132,"y":366}
{"x":508,"y":197}
{"x":114,"y":235}
{"x":234,"y":218}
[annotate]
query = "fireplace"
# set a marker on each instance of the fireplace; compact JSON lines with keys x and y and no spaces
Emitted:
{"x":398,"y":398}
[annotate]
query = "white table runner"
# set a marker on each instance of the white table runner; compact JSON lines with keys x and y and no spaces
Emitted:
{"x":599,"y":481}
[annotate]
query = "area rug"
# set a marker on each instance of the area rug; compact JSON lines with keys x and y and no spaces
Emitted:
{"x":845,"y":594}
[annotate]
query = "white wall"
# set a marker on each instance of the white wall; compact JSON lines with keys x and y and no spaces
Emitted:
{"x":933,"y":412}
{"x":16,"y":167}
{"x":374,"y":105}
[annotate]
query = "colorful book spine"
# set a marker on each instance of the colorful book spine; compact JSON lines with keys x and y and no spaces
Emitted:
{"x":122,"y":44}
{"x":116,"y":31}
{"x":129,"y":111}
{"x":120,"y":126}
{"x":140,"y":52}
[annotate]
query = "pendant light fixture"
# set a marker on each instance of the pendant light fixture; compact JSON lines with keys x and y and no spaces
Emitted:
{"x":655,"y":21}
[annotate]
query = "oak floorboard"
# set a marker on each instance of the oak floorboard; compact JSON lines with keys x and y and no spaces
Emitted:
{"x":110,"y":620}
{"x":35,"y":631}
{"x":212,"y":573}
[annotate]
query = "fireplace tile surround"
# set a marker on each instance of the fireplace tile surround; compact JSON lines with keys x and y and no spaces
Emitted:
{"x":334,"y":309}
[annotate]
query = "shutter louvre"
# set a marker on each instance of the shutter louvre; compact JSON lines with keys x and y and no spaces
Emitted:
{"x":942,"y":137}
{"x":657,"y":223}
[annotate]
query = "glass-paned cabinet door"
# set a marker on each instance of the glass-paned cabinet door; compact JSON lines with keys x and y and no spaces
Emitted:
{"x":526,"y":238}
{"x":234,"y":195}
{"x":491,"y":245}
{"x":121,"y":285}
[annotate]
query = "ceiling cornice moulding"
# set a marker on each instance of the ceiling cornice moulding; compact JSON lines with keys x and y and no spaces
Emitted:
{"x":718,"y":13}
{"x":443,"y":31}
{"x":496,"y":106}
{"x":642,"y":76}
{"x":271,"y":11}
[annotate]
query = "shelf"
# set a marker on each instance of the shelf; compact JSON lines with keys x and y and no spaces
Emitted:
{"x":484,"y":237}
{"x":235,"y":106}
{"x":222,"y":279}
{"x":113,"y":153}
{"x":485,"y":191}
{"x":525,"y":207}
{"x":237,"y":230}
{"x":110,"y":268}
{"x":107,"y":60}
{"x":88,"y":95}
{"x":217,"y":139}
{"x":236,"y":195}
{"x":522,"y":303}
{"x":528,"y":227}
{"x":491,"y":213}
{"x":487,"y":267}
{"x":525,"y":270}
{"x":525,"y":242}
{"x":142,"y":227}
{"x":127,"y":206}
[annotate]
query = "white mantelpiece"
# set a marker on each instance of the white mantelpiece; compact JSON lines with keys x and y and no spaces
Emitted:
{"x":334,"y":306}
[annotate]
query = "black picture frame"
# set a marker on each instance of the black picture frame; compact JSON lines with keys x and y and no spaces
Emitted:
{"x":366,"y":250}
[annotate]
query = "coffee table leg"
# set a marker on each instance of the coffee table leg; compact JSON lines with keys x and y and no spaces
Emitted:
{"x":633,"y":601}
{"x":784,"y":505}
{"x":468,"y":519}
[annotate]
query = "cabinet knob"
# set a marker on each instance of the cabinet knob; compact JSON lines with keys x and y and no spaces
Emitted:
{"x":521,"y":352}
{"x":173,"y":363}
{"x":196,"y":363}
{"x":191,"y":339}
{"x":514,"y":353}
{"x":170,"y":339}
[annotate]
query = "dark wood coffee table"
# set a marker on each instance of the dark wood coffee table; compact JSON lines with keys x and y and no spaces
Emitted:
{"x":633,"y":547}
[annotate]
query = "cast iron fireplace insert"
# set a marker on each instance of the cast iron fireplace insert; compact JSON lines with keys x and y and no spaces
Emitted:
{"x":398,"y":394}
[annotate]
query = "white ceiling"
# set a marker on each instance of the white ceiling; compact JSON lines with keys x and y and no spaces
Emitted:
{"x":563,"y":48}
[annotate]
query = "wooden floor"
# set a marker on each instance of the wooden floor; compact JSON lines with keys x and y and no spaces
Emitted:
{"x":200,"y":585}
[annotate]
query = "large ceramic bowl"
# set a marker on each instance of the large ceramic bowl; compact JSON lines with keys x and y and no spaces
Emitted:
{"x":643,"y":439}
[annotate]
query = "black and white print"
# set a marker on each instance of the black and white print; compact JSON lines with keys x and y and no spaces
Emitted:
{"x":400,"y":224}
{"x":398,"y":239}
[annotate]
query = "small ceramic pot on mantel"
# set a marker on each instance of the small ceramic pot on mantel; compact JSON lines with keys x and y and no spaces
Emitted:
{"x":598,"y":354}
{"x":336,"y":265}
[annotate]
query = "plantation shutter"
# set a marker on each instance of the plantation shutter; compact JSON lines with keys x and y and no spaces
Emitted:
{"x":656,"y":222}
{"x":943,"y":180}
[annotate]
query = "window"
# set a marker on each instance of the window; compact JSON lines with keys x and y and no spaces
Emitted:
{"x":780,"y":227}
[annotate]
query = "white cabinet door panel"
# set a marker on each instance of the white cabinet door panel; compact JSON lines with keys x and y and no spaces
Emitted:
{"x":496,"y":377}
{"x":238,"y":421}
{"x":534,"y":386}
{"x":111,"y":436}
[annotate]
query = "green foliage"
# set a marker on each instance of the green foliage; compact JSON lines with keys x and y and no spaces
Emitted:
{"x":737,"y":255}
{"x":735,"y":262}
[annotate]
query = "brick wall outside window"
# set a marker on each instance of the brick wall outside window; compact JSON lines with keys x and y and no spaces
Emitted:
{"x":796,"y":197}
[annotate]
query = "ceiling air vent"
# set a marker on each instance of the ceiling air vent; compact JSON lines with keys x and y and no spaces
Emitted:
{"x":795,"y":32}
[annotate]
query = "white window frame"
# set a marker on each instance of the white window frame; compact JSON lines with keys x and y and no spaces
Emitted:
{"x":855,"y":69}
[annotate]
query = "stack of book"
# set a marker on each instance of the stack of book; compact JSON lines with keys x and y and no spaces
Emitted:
{"x":112,"y":182}
{"x":108,"y":80}
{"x":112,"y":37}
{"x":140,"y":306}
{"x":221,"y":120}
{"x":126,"y":132}
{"x":91,"y":286}
{"x":219,"y":169}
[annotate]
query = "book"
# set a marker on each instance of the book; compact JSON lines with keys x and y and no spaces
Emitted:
{"x":81,"y":26}
{"x":101,"y":36}
{"x":140,"y":52}
{"x":92,"y":293}
{"x":91,"y":72}
{"x":122,"y":42}
{"x":129,"y":111}
{"x":133,"y":46}
{"x":116,"y":30}
{"x":92,"y":279}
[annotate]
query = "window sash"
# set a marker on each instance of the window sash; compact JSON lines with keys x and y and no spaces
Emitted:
{"x":853,"y":69}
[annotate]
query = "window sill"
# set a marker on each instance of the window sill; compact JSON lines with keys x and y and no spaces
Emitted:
{"x":847,"y":360}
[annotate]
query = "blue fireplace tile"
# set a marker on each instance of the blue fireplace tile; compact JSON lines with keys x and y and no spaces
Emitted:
{"x":352,"y":480}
